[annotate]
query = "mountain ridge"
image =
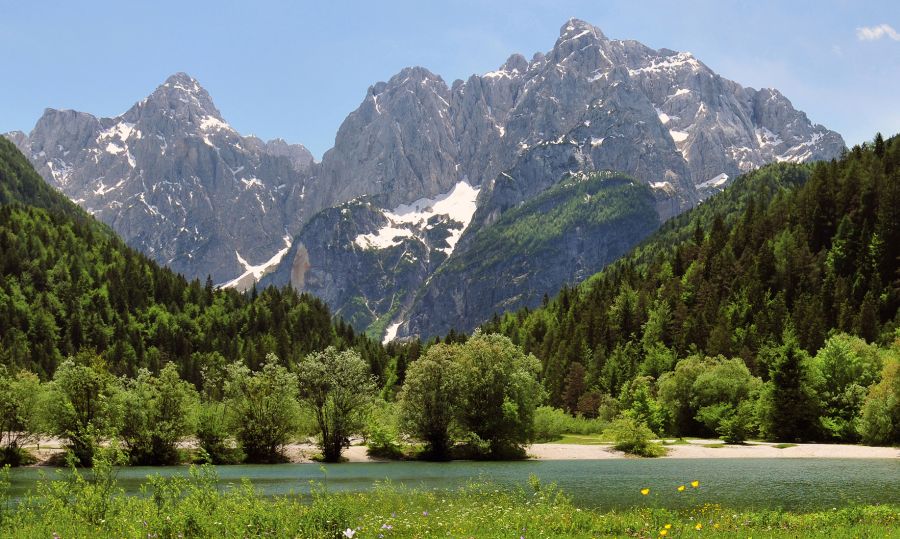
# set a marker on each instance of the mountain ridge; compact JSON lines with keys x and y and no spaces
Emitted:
{"x":211,"y":201}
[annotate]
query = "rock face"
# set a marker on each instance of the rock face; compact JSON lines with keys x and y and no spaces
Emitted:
{"x":179,"y":183}
{"x":591,"y":103}
{"x":174,"y":179}
{"x":559,"y":237}
{"x":367,"y":262}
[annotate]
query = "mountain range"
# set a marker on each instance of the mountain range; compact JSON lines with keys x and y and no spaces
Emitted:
{"x":438,"y":205}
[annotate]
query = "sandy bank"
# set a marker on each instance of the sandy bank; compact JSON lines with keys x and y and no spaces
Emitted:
{"x":50,"y":451}
{"x":708,"y":449}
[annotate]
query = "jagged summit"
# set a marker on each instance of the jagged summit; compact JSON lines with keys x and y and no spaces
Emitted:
{"x":183,"y":79}
{"x":575,"y":28}
{"x":182,"y":185}
{"x":174,"y":178}
{"x":181,"y":97}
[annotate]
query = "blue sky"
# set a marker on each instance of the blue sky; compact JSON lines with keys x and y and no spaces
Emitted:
{"x":296,"y":69}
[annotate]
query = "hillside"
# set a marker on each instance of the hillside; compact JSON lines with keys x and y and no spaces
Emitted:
{"x":556,"y":238}
{"x":808,"y":248}
{"x":67,"y":283}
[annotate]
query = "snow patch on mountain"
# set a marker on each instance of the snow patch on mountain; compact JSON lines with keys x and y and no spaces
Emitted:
{"x":391,"y":332}
{"x":407,"y":220}
{"x":253,"y":273}
{"x":208,"y":123}
{"x":122,"y":130}
{"x":714,"y":183}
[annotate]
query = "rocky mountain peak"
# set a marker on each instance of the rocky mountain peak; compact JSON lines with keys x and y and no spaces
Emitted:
{"x":577,"y":28}
{"x":516,"y":63}
{"x":183,"y":186}
{"x":413,"y":74}
{"x":181,"y":98}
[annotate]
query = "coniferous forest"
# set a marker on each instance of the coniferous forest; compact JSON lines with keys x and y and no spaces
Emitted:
{"x":68,"y":283}
{"x":779,"y":288}
{"x":769,"y":311}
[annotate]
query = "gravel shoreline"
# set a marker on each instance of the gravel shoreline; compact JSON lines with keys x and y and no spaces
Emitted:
{"x":50,"y":451}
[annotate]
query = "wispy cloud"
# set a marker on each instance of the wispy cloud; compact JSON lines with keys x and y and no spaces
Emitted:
{"x":872,"y":33}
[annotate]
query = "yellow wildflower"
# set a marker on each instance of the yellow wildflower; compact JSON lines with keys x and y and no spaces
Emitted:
{"x":645,"y":491}
{"x":668,"y":526}
{"x":663,"y":533}
{"x":695,"y":484}
{"x":698,"y":526}
{"x":680,"y":488}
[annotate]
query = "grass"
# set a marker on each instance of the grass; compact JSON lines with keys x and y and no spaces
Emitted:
{"x":677,"y":441}
{"x":784,"y":446}
{"x":583,"y":439}
{"x":714,"y":446}
{"x":195,"y":507}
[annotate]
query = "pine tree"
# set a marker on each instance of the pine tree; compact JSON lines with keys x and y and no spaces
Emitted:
{"x":789,"y":409}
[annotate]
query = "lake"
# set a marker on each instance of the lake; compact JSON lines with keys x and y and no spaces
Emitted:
{"x":791,"y":484}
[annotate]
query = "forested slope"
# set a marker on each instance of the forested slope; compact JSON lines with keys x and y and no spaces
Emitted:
{"x":68,"y":283}
{"x":811,"y":249}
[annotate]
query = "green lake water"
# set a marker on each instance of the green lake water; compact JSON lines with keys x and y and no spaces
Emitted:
{"x":791,"y":484}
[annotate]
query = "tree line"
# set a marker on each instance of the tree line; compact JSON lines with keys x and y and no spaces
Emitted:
{"x":476,"y":399}
{"x":68,"y":283}
{"x":766,"y":276}
{"x":749,"y":316}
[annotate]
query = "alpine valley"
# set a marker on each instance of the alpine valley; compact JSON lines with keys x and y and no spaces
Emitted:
{"x":438,"y":206}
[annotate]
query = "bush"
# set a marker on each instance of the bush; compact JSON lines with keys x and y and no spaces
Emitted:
{"x":633,"y":437}
{"x":382,"y":433}
{"x":20,"y":396}
{"x":428,"y":401}
{"x":338,"y":388}
{"x":83,"y":405}
{"x":733,"y":423}
{"x":551,"y":423}
{"x":157,"y":414}
{"x":879,"y":420}
{"x":213,"y":436}
{"x":262,"y":408}
{"x":499,"y":394}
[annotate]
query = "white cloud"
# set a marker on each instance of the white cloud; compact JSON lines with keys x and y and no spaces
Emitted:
{"x":872,"y":33}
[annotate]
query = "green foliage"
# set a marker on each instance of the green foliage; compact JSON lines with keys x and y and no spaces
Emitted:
{"x":194,"y":507}
{"x":20,"y":400}
{"x":676,"y":394}
{"x":638,"y":396}
{"x":338,"y":387}
{"x":498,"y":395}
{"x":214,"y":435}
{"x":157,"y":414}
{"x":879,"y":420}
{"x":67,"y":283}
{"x":737,"y":423}
{"x":788,"y":406}
{"x":843,"y":371}
{"x":550,"y":424}
{"x":83,"y":405}
{"x":814,"y":247}
{"x":725,"y":397}
{"x":429,"y":399}
{"x":631,"y":435}
{"x":262,"y":408}
{"x":383,"y":431}
{"x":91,"y":501}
